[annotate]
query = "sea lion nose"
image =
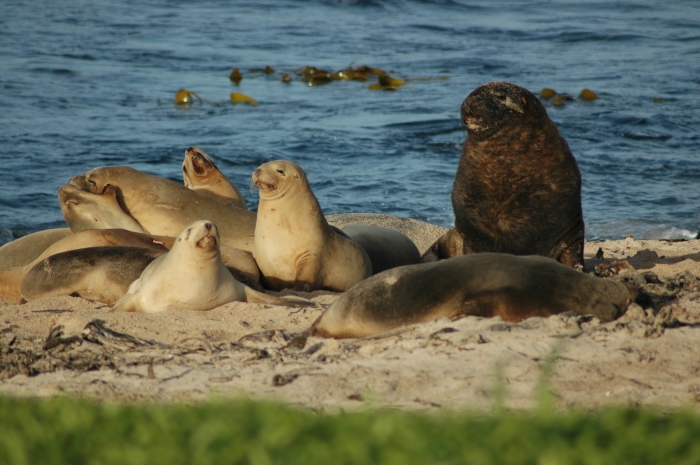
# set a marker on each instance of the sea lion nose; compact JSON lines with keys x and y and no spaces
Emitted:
{"x":189,"y":149}
{"x":208,"y":226}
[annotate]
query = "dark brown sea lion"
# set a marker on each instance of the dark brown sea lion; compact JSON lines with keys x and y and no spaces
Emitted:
{"x":487,"y":285}
{"x":518,"y":187}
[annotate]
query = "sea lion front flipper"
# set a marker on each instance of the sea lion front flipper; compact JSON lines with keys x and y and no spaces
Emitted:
{"x":254,"y":296}
{"x":125,"y":304}
{"x":308,"y":273}
{"x":450,"y":245}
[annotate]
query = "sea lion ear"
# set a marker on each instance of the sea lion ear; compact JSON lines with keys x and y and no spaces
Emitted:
{"x":296,"y":175}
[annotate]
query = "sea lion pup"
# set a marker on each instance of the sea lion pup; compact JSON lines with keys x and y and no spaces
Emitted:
{"x":85,"y":210}
{"x":164,"y":207}
{"x":487,"y":285}
{"x":240,"y":263}
{"x":191,"y":277}
{"x":518,"y":187}
{"x":26,"y":248}
{"x":294,"y":245}
{"x":99,"y":274}
{"x":202,"y":176}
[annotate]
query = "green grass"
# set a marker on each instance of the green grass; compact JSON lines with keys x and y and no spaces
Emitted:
{"x":70,"y":431}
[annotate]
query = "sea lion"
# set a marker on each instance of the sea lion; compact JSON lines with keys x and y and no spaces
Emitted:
{"x":486,"y":284}
{"x":101,"y":274}
{"x":86,"y":210}
{"x":518,"y":187}
{"x":25,"y":249}
{"x":422,"y":234}
{"x":202,"y":176}
{"x":385,"y":247}
{"x":191,"y":277}
{"x":294,"y":245}
{"x":164,"y":207}
{"x":240,"y":263}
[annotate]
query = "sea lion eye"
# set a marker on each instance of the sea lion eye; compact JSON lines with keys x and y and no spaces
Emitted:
{"x":500,"y":96}
{"x":281,"y":172}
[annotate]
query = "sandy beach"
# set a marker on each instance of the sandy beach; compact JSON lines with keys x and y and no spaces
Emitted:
{"x":649,"y":357}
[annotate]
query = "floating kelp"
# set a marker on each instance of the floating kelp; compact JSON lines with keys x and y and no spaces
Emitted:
{"x":439,"y":78}
{"x":658,"y":100}
{"x":286,"y":78}
{"x":368,"y":70}
{"x":184,"y":97}
{"x":557,"y":101}
{"x":547,"y":93}
{"x":317,"y":79}
{"x":588,"y":94}
{"x":236,"y":76}
{"x":237,"y":97}
{"x":310,"y":71}
{"x":346,"y":75}
{"x":386,"y":82}
{"x":268,"y":70}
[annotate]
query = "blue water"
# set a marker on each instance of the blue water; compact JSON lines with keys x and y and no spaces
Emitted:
{"x":87,"y":84}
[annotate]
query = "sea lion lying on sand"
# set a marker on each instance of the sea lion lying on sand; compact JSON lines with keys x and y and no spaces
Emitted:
{"x":192,"y":277}
{"x":487,"y":284}
{"x":164,"y":207}
{"x":240,"y":263}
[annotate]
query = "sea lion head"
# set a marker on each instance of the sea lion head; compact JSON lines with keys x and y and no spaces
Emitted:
{"x":97,"y":179}
{"x":497,"y":104}
{"x":274,"y":179}
{"x":196,"y":166}
{"x":201,"y":237}
{"x":85,"y":210}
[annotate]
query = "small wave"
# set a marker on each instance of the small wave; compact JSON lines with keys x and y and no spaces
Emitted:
{"x":671,"y":234}
{"x":584,"y":36}
{"x":84,"y":56}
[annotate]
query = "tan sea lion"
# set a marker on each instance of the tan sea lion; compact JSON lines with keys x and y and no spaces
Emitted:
{"x":100,"y":274}
{"x":422,"y":234}
{"x":294,"y":245}
{"x":191,"y":277}
{"x":240,"y":263}
{"x":202,"y":176}
{"x":486,"y":284}
{"x":25,"y":249}
{"x":164,"y":207}
{"x":518,"y":187}
{"x":86,"y":210}
{"x":386,"y":248}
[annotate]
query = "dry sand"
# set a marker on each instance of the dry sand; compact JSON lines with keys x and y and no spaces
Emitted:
{"x":649,"y":357}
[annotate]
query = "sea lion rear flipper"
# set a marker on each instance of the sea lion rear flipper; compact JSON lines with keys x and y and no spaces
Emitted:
{"x":254,"y":296}
{"x":450,"y":245}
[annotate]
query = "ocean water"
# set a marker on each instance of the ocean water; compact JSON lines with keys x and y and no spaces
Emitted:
{"x":89,"y":83}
